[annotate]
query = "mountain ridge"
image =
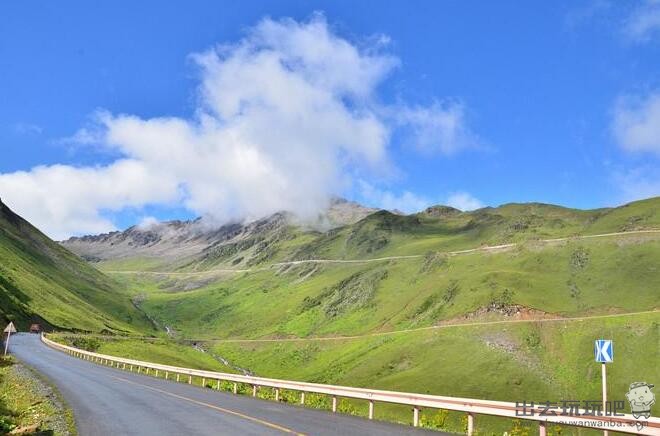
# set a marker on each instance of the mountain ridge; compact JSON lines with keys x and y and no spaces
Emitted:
{"x":368,"y":232}
{"x":193,"y":237}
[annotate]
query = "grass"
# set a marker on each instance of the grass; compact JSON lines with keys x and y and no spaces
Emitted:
{"x":528,"y":361}
{"x":157,"y":350}
{"x":569,"y":279}
{"x":42,"y":282}
{"x":23,"y":404}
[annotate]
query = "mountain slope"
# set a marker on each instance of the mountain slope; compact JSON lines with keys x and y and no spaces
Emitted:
{"x":239,"y":286}
{"x":197,"y":245}
{"x":40,"y":281}
{"x":180,"y":244}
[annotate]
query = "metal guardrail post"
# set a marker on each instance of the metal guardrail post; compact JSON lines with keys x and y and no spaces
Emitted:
{"x":254,"y":390}
{"x":277,"y":394}
{"x":470,"y":424}
{"x":235,"y":388}
{"x":334,"y":403}
{"x":542,"y":428}
{"x":415,"y":416}
{"x":371,"y":409}
{"x":302,"y":398}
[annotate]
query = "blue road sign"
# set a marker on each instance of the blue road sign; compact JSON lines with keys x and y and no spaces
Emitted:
{"x":604,"y":351}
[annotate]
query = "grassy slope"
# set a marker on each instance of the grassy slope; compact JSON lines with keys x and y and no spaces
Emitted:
{"x":155,"y":350}
{"x":567,"y":279}
{"x":42,"y":282}
{"x":526,"y":361}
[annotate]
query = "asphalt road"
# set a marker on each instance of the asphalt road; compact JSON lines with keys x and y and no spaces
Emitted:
{"x":107,"y":401}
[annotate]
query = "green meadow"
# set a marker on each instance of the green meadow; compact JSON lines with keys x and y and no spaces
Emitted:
{"x":529,"y":361}
{"x":567,"y":279}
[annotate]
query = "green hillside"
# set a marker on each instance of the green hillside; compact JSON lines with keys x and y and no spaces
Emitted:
{"x":514,"y":323}
{"x":423,"y":283}
{"x":382,"y":234}
{"x":40,"y":281}
{"x":570,"y":279}
{"x":533,"y":361}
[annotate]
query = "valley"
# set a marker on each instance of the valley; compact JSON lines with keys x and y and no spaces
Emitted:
{"x":501,"y":303}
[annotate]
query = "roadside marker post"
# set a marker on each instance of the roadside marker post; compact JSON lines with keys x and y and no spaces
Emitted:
{"x":9,"y":330}
{"x":604,"y":353}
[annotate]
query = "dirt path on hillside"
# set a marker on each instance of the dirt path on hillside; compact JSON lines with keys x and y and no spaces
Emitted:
{"x":434,"y":327}
{"x":486,"y":249}
{"x":443,"y":325}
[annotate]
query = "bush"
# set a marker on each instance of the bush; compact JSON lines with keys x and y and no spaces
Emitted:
{"x":88,"y":344}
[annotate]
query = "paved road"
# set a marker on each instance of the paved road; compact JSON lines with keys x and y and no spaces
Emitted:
{"x":107,"y":401}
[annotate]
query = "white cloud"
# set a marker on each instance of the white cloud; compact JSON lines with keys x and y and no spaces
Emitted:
{"x":441,"y":127}
{"x":644,"y":22}
{"x":464,"y":201}
{"x":64,"y":200}
{"x":409,"y":202}
{"x":636,"y":123}
{"x":148,"y":223}
{"x":286,"y":118}
{"x":406,"y":201}
{"x":637,"y":183}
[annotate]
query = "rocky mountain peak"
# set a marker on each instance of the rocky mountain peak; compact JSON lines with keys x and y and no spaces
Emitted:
{"x":179,"y":238}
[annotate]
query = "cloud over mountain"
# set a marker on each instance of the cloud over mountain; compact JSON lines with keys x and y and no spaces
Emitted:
{"x":286,"y":117}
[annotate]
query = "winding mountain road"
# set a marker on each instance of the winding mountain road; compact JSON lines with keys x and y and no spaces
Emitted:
{"x":107,"y":401}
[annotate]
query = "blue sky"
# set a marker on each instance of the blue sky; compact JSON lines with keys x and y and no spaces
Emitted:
{"x":467,"y":103}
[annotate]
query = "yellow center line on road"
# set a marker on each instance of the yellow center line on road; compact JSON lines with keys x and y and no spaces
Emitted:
{"x":211,"y":406}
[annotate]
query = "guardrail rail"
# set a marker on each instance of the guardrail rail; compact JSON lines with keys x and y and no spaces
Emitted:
{"x":624,"y":423}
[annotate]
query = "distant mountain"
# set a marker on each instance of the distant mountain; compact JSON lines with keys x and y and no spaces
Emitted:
{"x":343,"y":212}
{"x":174,"y":241}
{"x":40,"y":281}
{"x":348,"y":231}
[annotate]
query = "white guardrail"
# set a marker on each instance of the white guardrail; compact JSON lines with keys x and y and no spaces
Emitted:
{"x":578,"y":418}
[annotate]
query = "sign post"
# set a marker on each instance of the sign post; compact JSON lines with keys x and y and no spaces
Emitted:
{"x":9,"y":330}
{"x":604,"y":351}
